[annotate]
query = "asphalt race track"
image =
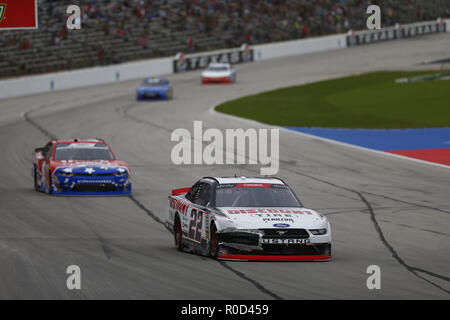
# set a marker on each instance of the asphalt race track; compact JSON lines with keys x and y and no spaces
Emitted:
{"x":384,"y":211}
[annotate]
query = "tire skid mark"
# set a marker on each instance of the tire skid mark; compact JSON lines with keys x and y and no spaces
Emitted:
{"x":370,"y":210}
{"x":394,"y":253}
{"x":245,"y":277}
{"x":413,"y":270}
{"x":414,"y":228}
{"x":383,"y":239}
{"x":406,"y":202}
{"x":37,"y":126}
{"x":241,"y":275}
{"x":103,"y":243}
{"x":125,"y":113}
{"x":145,"y":209}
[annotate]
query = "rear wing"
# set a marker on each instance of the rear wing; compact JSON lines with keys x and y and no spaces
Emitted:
{"x":178,"y":192}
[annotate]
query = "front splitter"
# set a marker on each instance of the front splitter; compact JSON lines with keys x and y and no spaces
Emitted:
{"x":250,"y":257}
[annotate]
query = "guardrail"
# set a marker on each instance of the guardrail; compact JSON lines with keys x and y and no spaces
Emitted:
{"x":84,"y":77}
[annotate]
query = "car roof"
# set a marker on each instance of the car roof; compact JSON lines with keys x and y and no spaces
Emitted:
{"x":231,"y":180}
{"x":219,"y":64}
{"x":97,"y":141}
{"x":155,"y":79}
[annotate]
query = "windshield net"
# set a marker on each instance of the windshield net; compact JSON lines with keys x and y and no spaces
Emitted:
{"x":83,"y":152}
{"x":255,"y":195}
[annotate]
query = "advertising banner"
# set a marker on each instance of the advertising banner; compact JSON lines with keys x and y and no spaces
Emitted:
{"x":18,"y":14}
{"x":200,"y":61}
{"x":397,"y":32}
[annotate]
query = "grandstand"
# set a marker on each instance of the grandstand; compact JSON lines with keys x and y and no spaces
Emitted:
{"x":127,"y":30}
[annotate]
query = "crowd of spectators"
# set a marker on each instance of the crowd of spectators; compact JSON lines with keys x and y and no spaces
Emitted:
{"x":193,"y":25}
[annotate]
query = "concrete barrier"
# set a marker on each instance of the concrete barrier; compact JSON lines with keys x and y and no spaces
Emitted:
{"x":84,"y":77}
{"x":157,"y":67}
{"x":298,"y":47}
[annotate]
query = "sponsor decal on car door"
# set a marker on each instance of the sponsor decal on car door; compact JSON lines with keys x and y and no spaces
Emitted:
{"x":196,"y":225}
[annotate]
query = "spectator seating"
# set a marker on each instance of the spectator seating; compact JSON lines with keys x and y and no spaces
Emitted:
{"x":127,"y":30}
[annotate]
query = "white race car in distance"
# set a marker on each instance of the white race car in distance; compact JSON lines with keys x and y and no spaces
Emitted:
{"x":219,"y":73}
{"x":247,"y":219}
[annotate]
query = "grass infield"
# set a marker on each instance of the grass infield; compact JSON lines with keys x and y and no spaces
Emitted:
{"x":371,"y":100}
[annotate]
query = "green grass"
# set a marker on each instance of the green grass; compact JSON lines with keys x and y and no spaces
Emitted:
{"x":371,"y":100}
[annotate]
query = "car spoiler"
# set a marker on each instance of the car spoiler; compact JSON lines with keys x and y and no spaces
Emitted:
{"x":177,"y":192}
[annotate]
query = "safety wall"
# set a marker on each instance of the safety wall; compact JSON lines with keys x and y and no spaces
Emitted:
{"x":154,"y":67}
{"x":298,"y":47}
{"x":158,"y":67}
{"x":397,"y":32}
{"x":84,"y":77}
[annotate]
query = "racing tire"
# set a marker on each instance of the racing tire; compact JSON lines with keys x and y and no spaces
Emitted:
{"x":36,"y":187}
{"x":213,"y":246}
{"x":178,"y":234}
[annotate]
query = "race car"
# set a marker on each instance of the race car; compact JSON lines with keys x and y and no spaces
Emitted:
{"x":154,"y":88}
{"x":250,"y":219}
{"x":80,"y":167}
{"x":219,"y":73}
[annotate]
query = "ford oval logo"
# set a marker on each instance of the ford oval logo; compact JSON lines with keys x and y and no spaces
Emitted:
{"x":281,"y":225}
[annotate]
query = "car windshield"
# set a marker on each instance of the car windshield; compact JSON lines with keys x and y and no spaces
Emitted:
{"x":264,"y":195}
{"x":217,"y":68}
{"x":83,"y":151}
{"x":153,"y":82}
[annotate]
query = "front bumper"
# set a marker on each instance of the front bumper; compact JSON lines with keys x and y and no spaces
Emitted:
{"x":91,"y":185}
{"x":152,"y":95}
{"x":293,"y":245}
{"x":209,"y":80}
{"x":249,"y":257}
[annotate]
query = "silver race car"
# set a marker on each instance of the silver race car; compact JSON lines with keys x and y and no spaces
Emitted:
{"x":247,"y":219}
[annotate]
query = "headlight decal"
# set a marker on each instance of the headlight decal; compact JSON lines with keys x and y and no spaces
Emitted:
{"x":318,"y":232}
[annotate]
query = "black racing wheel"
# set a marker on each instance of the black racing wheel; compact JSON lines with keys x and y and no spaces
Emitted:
{"x":178,"y":234}
{"x":213,"y":243}
{"x":36,"y":188}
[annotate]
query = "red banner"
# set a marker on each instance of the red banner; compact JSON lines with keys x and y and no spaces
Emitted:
{"x":18,"y":14}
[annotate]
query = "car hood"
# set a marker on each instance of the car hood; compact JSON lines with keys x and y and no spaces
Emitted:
{"x":261,"y":218}
{"x":144,"y":88}
{"x":214,"y":74}
{"x":91,"y":167}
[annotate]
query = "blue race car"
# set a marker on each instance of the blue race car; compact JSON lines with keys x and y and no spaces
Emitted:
{"x":154,"y":88}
